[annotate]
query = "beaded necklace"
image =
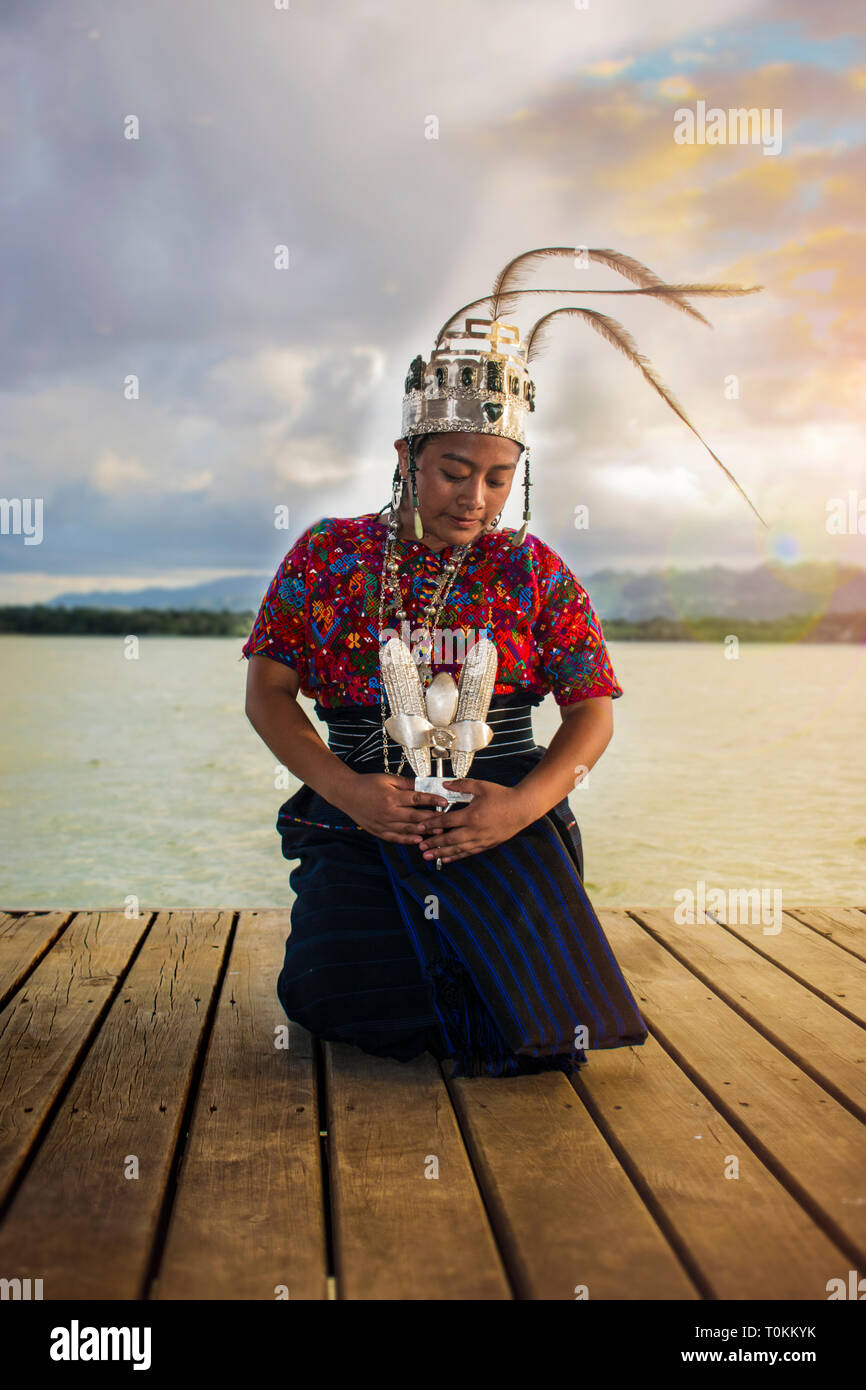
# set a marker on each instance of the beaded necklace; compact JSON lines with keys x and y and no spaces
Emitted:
{"x":432,"y":610}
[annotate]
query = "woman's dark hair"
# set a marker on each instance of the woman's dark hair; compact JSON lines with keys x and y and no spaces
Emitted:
{"x":422,"y":439}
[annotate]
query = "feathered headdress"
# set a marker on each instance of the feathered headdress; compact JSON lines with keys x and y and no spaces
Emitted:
{"x":477,"y":379}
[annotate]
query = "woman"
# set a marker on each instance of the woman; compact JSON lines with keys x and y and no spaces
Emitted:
{"x":466,"y":933}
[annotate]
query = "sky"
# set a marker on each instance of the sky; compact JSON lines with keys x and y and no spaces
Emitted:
{"x":262,"y":387}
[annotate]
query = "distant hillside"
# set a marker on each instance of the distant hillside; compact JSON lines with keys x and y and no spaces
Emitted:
{"x":239,"y":593}
{"x":762,"y":594}
{"x":759,"y":595}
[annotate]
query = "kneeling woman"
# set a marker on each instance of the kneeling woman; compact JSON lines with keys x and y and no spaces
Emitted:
{"x":466,"y":933}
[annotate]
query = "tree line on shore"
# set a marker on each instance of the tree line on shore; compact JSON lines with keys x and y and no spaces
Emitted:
{"x":48,"y":620}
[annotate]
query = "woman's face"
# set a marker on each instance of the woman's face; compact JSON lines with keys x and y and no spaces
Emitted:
{"x":460,"y":477}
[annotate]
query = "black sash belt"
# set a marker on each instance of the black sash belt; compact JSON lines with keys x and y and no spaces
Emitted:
{"x":357,"y":739}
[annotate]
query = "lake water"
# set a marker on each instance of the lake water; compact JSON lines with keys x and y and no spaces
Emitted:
{"x":143,"y":777}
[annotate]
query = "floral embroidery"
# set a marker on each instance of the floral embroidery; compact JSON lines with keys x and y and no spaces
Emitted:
{"x":319,"y":614}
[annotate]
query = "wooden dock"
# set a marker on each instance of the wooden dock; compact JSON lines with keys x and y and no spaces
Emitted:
{"x":157,"y":1141}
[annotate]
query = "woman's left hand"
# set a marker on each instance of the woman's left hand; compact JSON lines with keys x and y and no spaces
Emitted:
{"x":493,"y":815}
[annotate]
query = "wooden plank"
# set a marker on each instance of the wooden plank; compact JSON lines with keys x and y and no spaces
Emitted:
{"x":399,"y":1232}
{"x":23,"y":941}
{"x":817,"y":963}
{"x":248,"y":1220}
{"x":819,"y":1039}
{"x":568,"y":1220}
{"x":77,"y":1221}
{"x":48,"y":1025}
{"x":807,"y":1139}
{"x":745,"y":1236}
{"x":844,"y":925}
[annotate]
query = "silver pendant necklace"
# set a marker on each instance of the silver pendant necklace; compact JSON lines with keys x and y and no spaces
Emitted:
{"x":390,"y":583}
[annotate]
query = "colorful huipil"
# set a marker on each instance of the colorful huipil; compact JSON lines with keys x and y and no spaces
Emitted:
{"x":509,"y":972}
{"x":320,"y":614}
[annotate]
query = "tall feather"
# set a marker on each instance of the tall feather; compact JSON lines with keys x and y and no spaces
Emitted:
{"x":663,"y":292}
{"x":513,"y":275}
{"x":620,"y":338}
{"x":507,"y":285}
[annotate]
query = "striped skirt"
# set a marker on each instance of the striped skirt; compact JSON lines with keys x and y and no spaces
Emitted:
{"x":497,"y":961}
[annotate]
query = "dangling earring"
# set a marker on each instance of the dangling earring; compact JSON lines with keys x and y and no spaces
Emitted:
{"x":398,"y":484}
{"x":419,"y":529}
{"x":492,"y":525}
{"x":520,"y":536}
{"x":398,"y":487}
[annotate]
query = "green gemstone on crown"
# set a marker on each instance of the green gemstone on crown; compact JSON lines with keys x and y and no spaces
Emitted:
{"x":495,"y":377}
{"x":492,"y":409}
{"x":415,"y":376}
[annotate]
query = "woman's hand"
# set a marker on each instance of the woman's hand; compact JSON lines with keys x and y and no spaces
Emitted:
{"x":493,"y":815}
{"x":389,"y":806}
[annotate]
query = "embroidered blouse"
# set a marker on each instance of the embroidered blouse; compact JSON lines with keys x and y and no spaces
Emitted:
{"x":320,"y":614}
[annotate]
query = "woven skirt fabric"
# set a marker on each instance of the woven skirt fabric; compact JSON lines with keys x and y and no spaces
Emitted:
{"x":497,"y":961}
{"x":516,"y":921}
{"x":350,"y":972}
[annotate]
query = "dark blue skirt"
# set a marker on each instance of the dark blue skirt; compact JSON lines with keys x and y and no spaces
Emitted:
{"x":497,"y":961}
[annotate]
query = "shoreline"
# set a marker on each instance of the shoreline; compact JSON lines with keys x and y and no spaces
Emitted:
{"x":79,"y":621}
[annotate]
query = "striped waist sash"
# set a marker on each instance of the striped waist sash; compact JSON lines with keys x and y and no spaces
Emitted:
{"x":358,"y":740}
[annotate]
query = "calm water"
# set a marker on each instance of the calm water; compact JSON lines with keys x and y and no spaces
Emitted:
{"x":144,"y":777}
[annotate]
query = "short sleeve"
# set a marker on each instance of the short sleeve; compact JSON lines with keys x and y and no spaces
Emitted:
{"x":280,"y":626}
{"x":573,"y":659}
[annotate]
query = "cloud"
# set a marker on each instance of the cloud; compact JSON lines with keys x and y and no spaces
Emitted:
{"x":112,"y":474}
{"x":607,"y":67}
{"x":306,"y":128}
{"x":677,"y":88}
{"x":690,"y":56}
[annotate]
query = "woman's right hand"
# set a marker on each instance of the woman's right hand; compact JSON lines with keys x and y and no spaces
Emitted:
{"x":389,"y":806}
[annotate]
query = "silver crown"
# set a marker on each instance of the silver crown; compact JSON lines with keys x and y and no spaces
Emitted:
{"x":477,"y":381}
